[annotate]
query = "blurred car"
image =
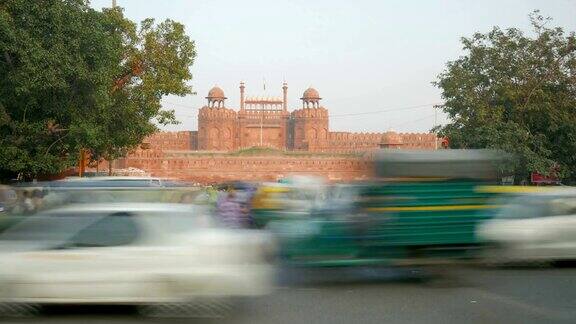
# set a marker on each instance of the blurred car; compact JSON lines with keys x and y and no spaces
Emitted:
{"x":7,"y":198}
{"x":539,"y":226}
{"x":108,"y":181}
{"x":52,"y":194}
{"x":279,"y":201}
{"x":151,"y":255}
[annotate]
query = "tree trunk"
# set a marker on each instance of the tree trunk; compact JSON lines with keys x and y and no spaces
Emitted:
{"x":109,"y":167}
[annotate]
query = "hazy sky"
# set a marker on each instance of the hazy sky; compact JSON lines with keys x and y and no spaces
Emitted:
{"x":361,"y":55}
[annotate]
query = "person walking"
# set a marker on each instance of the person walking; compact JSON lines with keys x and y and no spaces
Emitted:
{"x":230,"y":211}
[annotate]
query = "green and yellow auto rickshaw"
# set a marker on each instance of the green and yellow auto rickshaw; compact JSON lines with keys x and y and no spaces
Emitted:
{"x":422,"y":207}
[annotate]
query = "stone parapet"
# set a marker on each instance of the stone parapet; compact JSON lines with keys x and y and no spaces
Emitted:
{"x":213,"y":169}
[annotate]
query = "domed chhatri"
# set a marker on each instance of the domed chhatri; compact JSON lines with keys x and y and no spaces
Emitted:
{"x":391,"y":139}
{"x":311,"y":93}
{"x":216,"y":97}
{"x":216,"y":93}
{"x":310,"y":98}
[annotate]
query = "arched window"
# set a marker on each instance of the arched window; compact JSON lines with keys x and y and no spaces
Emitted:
{"x":227,"y":133}
{"x":323,"y":133}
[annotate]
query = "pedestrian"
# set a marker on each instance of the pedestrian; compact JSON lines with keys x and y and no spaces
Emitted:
{"x":230,"y":211}
{"x":247,"y":206}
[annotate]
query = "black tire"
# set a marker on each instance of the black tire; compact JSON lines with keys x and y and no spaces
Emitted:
{"x":19,"y":310}
{"x":205,"y":308}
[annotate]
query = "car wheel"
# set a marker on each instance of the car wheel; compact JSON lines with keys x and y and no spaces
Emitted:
{"x":564,"y":263}
{"x":205,"y":308}
{"x":19,"y":310}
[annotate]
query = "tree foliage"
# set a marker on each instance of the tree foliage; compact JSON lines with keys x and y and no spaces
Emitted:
{"x":74,"y":78}
{"x":155,"y":62}
{"x":515,"y":92}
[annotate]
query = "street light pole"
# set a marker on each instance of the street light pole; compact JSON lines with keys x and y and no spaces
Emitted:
{"x":435,"y":125}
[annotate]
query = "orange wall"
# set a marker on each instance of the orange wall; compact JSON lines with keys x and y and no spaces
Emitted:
{"x":214,"y":169}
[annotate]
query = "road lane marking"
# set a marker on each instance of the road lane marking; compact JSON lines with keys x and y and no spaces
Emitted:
{"x":527,"y":307}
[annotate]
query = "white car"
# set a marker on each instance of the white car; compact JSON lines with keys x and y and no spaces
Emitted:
{"x":153,"y":255}
{"x":533,"y":227}
{"x":111,"y":181}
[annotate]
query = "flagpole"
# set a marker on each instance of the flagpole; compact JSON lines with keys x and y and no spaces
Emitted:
{"x":261,"y":127}
{"x":262,"y":116}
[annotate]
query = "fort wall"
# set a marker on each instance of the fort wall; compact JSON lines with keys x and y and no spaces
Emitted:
{"x":208,"y":169}
{"x":177,"y":141}
{"x":303,"y":138}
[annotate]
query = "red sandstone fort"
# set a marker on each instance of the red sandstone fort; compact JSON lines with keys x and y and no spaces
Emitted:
{"x":288,"y":142}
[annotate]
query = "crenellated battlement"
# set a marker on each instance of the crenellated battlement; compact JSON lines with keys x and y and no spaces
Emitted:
{"x":320,"y":112}
{"x":216,"y":113}
{"x":349,"y":136}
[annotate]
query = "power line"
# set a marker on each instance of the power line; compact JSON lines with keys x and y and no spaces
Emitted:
{"x":385,"y":110}
{"x":413,"y":120}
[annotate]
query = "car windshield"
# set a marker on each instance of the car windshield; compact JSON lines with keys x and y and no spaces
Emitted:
{"x":538,"y":206}
{"x":48,"y":228}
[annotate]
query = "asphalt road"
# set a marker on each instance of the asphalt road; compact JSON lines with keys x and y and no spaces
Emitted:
{"x":466,"y":295}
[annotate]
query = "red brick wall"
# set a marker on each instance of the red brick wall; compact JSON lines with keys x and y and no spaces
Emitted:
{"x":171,"y":141}
{"x":423,"y":141}
{"x":359,"y":142}
{"x":306,"y":129}
{"x":352,"y":142}
{"x":311,"y":129}
{"x":217,"y":129}
{"x":274,"y":128}
{"x":214,"y":169}
{"x":194,"y":140}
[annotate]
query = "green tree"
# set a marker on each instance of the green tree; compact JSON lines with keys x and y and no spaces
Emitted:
{"x":54,"y":60}
{"x":515,"y":92}
{"x":155,"y":63}
{"x":74,"y":78}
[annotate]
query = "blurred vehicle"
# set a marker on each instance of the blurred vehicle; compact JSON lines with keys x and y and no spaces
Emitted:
{"x":8,"y":198}
{"x":152,"y":255}
{"x":340,"y":198}
{"x":267,"y":203}
{"x":295,"y":197}
{"x":235,"y":185}
{"x":109,"y":181}
{"x":8,"y":201}
{"x":423,"y":208}
{"x":538,"y":226}
{"x":37,"y":196}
